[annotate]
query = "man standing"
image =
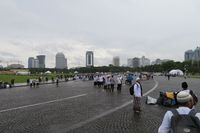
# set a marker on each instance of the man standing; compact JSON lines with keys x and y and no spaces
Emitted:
{"x":119,"y":83}
{"x":137,"y":89}
{"x":57,"y":82}
{"x":112,"y":82}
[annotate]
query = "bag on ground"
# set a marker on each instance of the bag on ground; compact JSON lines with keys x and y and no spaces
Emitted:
{"x":151,"y":100}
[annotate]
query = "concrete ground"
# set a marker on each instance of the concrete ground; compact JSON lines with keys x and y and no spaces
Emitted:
{"x":78,"y":107}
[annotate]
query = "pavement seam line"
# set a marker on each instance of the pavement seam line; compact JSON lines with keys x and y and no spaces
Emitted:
{"x":107,"y":112}
{"x":42,"y":103}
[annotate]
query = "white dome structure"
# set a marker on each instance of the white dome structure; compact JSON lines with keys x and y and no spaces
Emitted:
{"x":176,"y":72}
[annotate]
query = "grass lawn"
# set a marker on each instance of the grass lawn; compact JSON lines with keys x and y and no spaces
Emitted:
{"x":18,"y":78}
{"x":22,"y":78}
{"x":195,"y":76}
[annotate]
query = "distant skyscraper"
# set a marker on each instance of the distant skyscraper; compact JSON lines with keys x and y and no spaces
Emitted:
{"x":144,"y":61}
{"x":192,"y":55}
{"x":130,"y":62}
{"x":33,"y":63}
{"x":36,"y":63}
{"x":189,"y":55}
{"x":30,"y":62}
{"x":136,"y":62}
{"x":197,"y":54}
{"x":89,"y":59}
{"x":61,"y":61}
{"x":41,"y":59}
{"x":116,"y":61}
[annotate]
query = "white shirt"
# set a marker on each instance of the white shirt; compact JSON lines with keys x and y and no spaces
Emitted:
{"x":119,"y":80}
{"x":165,"y":127}
{"x":137,"y":90}
{"x":108,"y":81}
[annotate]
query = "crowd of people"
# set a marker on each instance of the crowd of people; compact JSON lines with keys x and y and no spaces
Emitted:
{"x":108,"y":82}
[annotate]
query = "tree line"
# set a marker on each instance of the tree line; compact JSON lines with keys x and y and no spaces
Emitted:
{"x":186,"y":66}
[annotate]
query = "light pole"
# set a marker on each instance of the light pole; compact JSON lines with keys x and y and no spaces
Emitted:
{"x":185,"y":69}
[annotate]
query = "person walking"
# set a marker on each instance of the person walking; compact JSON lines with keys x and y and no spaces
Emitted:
{"x":57,"y":82}
{"x":119,"y":83}
{"x":185,"y":102}
{"x":137,"y":95}
{"x":112,"y":83}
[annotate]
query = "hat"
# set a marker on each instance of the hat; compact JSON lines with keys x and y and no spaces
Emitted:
{"x":137,"y":78}
{"x":183,"y":97}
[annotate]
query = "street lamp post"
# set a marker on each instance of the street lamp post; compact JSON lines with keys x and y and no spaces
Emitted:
{"x":185,"y":69}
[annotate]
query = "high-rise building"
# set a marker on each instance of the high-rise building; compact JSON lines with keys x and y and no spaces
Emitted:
{"x":30,"y":62}
{"x":116,"y":61}
{"x":41,"y":59}
{"x":36,"y":63}
{"x":136,"y":62}
{"x":196,"y":55}
{"x":130,"y":62}
{"x":33,"y":63}
{"x":144,"y":61}
{"x":89,"y":59}
{"x":61,"y":61}
{"x":189,"y":55}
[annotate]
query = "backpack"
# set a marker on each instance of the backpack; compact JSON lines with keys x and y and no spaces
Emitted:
{"x":131,"y":89}
{"x":185,"y":123}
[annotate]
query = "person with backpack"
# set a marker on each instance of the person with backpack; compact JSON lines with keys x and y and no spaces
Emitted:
{"x":184,"y":119}
{"x":137,"y":95}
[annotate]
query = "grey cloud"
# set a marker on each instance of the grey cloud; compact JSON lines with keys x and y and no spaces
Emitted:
{"x":134,"y":27}
{"x":7,"y":54}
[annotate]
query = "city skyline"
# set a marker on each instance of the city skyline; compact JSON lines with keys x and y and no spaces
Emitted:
{"x":143,"y":61}
{"x":128,"y":29}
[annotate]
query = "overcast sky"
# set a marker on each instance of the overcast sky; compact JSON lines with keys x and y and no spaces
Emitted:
{"x":162,"y":29}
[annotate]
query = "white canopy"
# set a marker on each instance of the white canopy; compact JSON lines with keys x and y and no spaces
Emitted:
{"x":176,"y":72}
{"x":76,"y":72}
{"x":47,"y":72}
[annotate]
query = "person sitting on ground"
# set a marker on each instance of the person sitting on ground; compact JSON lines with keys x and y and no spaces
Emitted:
{"x":185,"y":102}
{"x":185,"y":88}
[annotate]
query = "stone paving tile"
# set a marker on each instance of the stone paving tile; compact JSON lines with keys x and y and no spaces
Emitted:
{"x":62,"y":116}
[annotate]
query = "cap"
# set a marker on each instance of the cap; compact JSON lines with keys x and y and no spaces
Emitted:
{"x":137,"y":78}
{"x":183,"y":97}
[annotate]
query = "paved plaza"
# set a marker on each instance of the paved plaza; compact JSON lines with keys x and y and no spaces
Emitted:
{"x":79,"y":107}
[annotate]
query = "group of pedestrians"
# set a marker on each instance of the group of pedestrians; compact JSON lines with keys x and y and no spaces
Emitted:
{"x":108,"y":82}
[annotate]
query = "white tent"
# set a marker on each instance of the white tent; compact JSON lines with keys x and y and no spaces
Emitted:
{"x":47,"y":72}
{"x":176,"y":72}
{"x":76,"y":72}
